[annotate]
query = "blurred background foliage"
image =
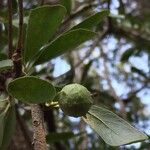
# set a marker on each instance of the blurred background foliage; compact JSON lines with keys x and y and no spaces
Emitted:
{"x":114,"y":66}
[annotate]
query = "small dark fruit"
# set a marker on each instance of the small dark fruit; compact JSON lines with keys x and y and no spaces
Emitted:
{"x":75,"y":100}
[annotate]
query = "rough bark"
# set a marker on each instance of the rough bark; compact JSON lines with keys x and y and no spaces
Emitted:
{"x":39,"y":140}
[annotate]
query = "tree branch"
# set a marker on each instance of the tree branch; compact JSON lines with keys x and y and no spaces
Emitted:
{"x":39,"y":140}
{"x":17,"y":55}
{"x":20,"y":35}
{"x":10,"y":30}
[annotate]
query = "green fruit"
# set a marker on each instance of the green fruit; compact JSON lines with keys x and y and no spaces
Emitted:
{"x":75,"y":100}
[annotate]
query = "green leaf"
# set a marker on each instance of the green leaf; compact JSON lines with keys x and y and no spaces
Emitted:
{"x":138,"y":71}
{"x":6,"y":64}
{"x":57,"y":137}
{"x":2,"y":123}
{"x":9,"y":128}
{"x":114,"y":130}
{"x":126,"y":55}
{"x":67,"y":4}
{"x":65,"y":43}
{"x":3,"y":104}
{"x":117,"y":16}
{"x":42,"y":25}
{"x":31,"y":90}
{"x":3,"y":56}
{"x":92,"y":21}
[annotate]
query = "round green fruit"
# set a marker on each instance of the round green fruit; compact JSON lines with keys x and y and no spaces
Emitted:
{"x":75,"y":100}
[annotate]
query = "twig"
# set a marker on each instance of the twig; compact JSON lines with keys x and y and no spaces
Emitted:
{"x":39,"y":140}
{"x":17,"y":54}
{"x":131,"y":33}
{"x":10,"y":30}
{"x":20,"y":35}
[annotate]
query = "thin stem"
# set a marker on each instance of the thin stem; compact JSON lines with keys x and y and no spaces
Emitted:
{"x":20,"y":35}
{"x":39,"y":140}
{"x":10,"y":30}
{"x":18,"y":51}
